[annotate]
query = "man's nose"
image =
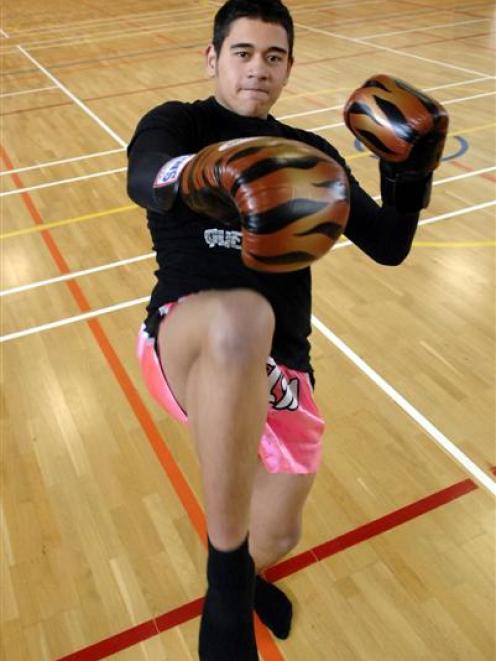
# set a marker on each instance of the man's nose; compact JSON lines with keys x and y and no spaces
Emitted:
{"x":258,"y":67}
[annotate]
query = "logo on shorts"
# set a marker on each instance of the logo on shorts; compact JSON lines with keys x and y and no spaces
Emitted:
{"x":283,"y":393}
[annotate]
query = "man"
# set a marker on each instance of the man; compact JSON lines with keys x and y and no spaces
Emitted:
{"x":225,"y":345}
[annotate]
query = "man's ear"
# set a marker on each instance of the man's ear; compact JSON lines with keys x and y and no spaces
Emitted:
{"x":211,"y":60}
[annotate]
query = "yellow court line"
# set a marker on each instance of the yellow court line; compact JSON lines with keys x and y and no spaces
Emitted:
{"x":99,"y":214}
{"x":455,"y":244}
{"x":67,"y":221}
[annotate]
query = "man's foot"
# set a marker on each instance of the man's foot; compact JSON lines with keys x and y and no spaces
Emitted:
{"x":226,"y":631}
{"x":273,"y":607}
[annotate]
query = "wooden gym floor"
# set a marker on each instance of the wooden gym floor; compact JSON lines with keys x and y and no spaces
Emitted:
{"x":102,"y":528}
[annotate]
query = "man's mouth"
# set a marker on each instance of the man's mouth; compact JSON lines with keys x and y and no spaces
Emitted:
{"x":256,"y":90}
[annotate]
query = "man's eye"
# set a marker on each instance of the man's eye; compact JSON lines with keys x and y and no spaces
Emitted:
{"x":274,"y":59}
{"x":242,"y":54}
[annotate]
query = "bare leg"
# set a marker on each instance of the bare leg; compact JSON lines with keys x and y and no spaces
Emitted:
{"x":275,"y":528}
{"x":214,"y":348}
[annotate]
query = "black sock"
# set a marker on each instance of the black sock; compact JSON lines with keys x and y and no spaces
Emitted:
{"x":226,"y":629}
{"x":273,"y":608}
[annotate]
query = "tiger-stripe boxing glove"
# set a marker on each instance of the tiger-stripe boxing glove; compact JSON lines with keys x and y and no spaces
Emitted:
{"x":407,"y":130}
{"x":291,"y":199}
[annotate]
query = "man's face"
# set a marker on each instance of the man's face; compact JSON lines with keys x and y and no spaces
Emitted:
{"x":252,"y":67}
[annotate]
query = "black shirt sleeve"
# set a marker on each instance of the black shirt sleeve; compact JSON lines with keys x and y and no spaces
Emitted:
{"x":164,"y":132}
{"x":382,"y":232}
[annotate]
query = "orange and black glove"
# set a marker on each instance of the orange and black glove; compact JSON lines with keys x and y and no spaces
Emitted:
{"x":407,"y":130}
{"x":290,"y":199}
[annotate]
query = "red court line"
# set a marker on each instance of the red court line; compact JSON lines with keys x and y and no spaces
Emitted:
{"x":467,"y":168}
{"x":265,"y":642}
{"x":363,"y":533}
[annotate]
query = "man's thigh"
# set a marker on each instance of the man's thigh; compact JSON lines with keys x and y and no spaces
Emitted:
{"x":187,"y":330}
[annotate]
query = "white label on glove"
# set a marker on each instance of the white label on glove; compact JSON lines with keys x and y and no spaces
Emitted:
{"x":169,"y":173}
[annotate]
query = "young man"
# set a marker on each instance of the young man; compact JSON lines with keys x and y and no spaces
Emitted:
{"x":225,"y":346}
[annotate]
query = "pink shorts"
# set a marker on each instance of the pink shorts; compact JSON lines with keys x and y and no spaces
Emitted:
{"x":292,"y":439}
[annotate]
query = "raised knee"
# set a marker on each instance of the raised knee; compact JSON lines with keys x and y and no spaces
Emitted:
{"x":242,"y":327}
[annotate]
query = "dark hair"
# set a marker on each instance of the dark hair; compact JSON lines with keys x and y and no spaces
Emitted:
{"x":269,"y":11}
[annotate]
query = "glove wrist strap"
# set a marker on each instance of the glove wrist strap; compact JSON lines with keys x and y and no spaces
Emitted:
{"x":167,"y":180}
{"x":408,"y":193}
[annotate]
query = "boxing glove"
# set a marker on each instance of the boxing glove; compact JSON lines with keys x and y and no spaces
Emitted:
{"x":407,"y":130}
{"x":290,"y":199}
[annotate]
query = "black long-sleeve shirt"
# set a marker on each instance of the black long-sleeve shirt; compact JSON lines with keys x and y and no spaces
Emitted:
{"x":195,"y":253}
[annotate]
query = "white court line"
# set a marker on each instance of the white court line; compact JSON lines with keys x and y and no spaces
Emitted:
{"x":428,"y":27}
{"x":448,"y":446}
{"x":434,"y":219}
{"x":35,"y":89}
{"x":72,"y":96}
{"x":108,"y":35}
{"x":63,"y":161}
{"x":468,"y":98}
{"x":390,"y":50}
{"x":74,"y":319}
{"x":77,"y":274}
{"x":71,"y":180}
{"x":445,"y":103}
{"x":150,"y":255}
{"x":4,"y":34}
{"x":76,"y":25}
{"x":103,"y":173}
{"x":341,"y":105}
{"x":441,"y":440}
{"x":112,"y":35}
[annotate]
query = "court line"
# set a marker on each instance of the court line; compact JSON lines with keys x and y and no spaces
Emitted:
{"x":184,"y":493}
{"x":126,"y":304}
{"x":59,"y":182}
{"x":426,"y":28}
{"x":67,"y":221}
{"x":440,"y":439}
{"x":292,"y":565}
{"x":29,"y":91}
{"x":445,"y":103}
{"x":109,"y":35}
{"x":348,"y":157}
{"x":166,"y":13}
{"x":341,"y":105}
{"x":466,"y":168}
{"x":113,"y":35}
{"x":286,"y":98}
{"x":72,"y":96}
{"x":153,"y":17}
{"x":468,"y":98}
{"x":76,"y":25}
{"x":63,"y":161}
{"x":4,"y":34}
{"x":114,"y":210}
{"x":391,"y":50}
{"x":77,"y":274}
